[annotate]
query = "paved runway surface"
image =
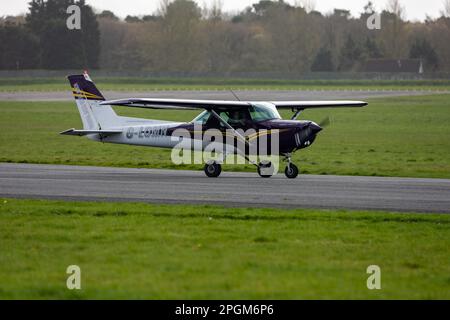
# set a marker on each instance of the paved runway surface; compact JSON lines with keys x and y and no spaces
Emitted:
{"x":249,"y":95}
{"x":231,"y":189}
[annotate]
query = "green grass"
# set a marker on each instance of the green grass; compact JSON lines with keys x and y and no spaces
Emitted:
{"x":407,"y":136}
{"x":141,"y":251}
{"x":149,"y":84}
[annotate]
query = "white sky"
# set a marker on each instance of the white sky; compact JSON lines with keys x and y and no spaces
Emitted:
{"x":415,"y":9}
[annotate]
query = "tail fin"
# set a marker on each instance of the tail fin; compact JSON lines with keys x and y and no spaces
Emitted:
{"x":88,"y":98}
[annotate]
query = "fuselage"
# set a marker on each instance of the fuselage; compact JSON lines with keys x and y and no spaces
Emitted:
{"x":291,"y":135}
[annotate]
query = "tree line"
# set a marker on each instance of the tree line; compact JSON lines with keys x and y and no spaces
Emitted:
{"x":270,"y":36}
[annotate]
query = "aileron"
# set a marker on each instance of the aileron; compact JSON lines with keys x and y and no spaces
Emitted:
{"x":318,"y":104}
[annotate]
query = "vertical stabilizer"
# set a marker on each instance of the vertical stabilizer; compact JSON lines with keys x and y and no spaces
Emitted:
{"x":88,"y":98}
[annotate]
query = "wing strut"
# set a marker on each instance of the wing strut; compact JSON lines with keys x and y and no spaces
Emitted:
{"x":296,"y":114}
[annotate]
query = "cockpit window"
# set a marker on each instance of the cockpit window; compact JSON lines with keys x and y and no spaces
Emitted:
{"x":260,"y":111}
{"x":263,"y":111}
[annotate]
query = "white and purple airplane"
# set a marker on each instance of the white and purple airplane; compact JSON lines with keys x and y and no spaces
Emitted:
{"x":247,"y":121}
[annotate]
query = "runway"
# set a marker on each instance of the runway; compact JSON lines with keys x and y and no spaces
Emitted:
{"x":248,"y":95}
{"x":231,"y":189}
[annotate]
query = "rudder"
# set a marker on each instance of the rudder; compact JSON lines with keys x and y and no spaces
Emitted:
{"x":88,"y":98}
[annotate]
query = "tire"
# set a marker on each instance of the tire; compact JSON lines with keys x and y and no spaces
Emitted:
{"x":291,"y":171}
{"x":265,"y":170}
{"x":213,"y":170}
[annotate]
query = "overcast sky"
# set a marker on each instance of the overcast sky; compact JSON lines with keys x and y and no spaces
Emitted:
{"x":415,"y":9}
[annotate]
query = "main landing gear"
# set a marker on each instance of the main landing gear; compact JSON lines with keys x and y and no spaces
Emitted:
{"x":213,"y":169}
{"x":265,"y":169}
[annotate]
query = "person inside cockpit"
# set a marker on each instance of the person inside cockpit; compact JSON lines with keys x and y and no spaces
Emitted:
{"x":238,"y":118}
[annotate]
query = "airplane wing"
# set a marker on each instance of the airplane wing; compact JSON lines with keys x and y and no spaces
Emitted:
{"x":301,"y":105}
{"x":187,"y":104}
{"x":177,"y":104}
{"x":81,"y":133}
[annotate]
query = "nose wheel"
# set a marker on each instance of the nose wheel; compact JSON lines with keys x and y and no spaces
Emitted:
{"x":291,"y":170}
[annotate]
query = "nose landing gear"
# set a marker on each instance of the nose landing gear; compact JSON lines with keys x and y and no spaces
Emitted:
{"x":291,"y":170}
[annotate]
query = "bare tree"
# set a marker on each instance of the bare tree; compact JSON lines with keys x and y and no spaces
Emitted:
{"x":369,"y":8}
{"x":215,"y":11}
{"x":163,"y":5}
{"x":446,"y":11}
{"x":395,"y":7}
{"x":308,"y":5}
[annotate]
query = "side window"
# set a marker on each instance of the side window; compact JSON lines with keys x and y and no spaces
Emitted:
{"x":224,"y":116}
{"x":202,"y":118}
{"x":238,"y":117}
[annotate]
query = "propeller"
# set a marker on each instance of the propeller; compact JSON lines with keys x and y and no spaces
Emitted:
{"x":325,"y":122}
{"x":306,"y":133}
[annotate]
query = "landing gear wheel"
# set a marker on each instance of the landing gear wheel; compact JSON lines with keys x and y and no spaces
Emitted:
{"x":291,"y":171}
{"x":213,"y":169}
{"x":265,"y":170}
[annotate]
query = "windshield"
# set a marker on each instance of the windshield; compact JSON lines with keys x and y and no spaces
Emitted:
{"x":202,"y":118}
{"x":262,"y":111}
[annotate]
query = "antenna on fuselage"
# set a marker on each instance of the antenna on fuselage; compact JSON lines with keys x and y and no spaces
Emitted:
{"x":235,"y":95}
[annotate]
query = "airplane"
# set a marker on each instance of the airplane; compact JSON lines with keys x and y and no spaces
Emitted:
{"x":102,"y":124}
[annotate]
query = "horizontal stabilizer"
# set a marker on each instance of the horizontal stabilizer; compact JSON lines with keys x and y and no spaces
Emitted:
{"x":81,"y":133}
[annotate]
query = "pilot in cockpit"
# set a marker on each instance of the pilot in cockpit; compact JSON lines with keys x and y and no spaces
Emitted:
{"x":237,"y":118}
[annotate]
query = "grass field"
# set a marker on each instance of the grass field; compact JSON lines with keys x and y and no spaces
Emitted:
{"x":407,"y":136}
{"x":140,"y":251}
{"x":149,"y":84}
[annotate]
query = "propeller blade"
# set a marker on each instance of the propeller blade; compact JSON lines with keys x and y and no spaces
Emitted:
{"x":325,"y":122}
